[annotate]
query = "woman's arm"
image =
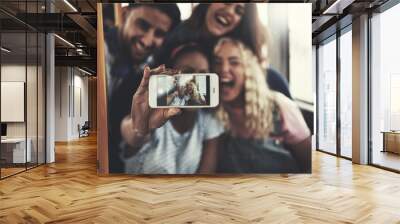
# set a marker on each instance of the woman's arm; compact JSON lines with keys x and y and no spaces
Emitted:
{"x":295,"y":133}
{"x":208,"y":162}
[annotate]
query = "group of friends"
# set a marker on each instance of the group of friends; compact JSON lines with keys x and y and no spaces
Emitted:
{"x":185,"y":95}
{"x":257,"y":128}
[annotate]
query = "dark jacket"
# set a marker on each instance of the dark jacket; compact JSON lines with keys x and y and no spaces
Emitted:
{"x":123,"y":79}
{"x":238,"y":155}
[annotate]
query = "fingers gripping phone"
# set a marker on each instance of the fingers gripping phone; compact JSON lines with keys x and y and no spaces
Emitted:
{"x":199,"y":90}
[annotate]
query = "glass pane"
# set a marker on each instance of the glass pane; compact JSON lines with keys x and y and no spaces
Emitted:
{"x":31,"y":100}
{"x":13,"y":87}
{"x":327,"y":97}
{"x":41,"y":99}
{"x":31,"y":86}
{"x":346,"y":94}
{"x":386,"y":89}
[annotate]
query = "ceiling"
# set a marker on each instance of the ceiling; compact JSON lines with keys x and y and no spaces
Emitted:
{"x":329,"y":15}
{"x":76,"y":20}
{"x":72,"y":20}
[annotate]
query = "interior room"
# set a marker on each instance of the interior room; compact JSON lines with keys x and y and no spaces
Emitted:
{"x":22,"y":98}
{"x":55,"y":123}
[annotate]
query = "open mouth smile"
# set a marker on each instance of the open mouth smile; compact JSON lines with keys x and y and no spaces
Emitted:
{"x":222,"y":20}
{"x":227,"y":83}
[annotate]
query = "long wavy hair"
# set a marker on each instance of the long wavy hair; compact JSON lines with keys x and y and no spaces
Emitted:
{"x":259,"y":99}
{"x":250,"y":30}
{"x":195,"y":95}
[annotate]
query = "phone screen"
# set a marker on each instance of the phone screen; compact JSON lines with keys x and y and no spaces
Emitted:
{"x":183,"y":90}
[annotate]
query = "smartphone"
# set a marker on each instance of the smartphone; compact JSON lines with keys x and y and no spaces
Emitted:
{"x":198,"y":90}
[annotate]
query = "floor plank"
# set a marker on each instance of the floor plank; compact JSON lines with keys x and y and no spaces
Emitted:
{"x":69,"y":191}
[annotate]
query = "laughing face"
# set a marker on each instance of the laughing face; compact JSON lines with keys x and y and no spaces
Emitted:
{"x":229,"y":66}
{"x":221,"y":18}
{"x":144,"y":31}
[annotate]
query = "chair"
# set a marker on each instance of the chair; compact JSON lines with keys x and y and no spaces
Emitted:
{"x":84,"y":130}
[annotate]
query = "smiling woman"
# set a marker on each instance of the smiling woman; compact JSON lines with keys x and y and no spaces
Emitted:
{"x":222,"y":18}
{"x":232,"y":19}
{"x":266,"y":132}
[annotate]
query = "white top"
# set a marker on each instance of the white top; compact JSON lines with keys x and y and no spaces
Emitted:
{"x":179,"y":101}
{"x":169,"y":152}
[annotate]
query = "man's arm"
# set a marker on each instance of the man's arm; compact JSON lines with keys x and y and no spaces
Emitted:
{"x":137,"y":126}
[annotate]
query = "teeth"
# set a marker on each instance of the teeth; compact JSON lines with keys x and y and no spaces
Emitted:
{"x":223,"y":20}
{"x":227,"y":82}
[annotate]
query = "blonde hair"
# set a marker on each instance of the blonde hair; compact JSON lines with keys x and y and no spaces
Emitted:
{"x":195,"y":95}
{"x":259,"y":99}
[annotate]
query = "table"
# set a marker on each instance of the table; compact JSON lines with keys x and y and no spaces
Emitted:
{"x":13,"y":150}
{"x":391,"y":141}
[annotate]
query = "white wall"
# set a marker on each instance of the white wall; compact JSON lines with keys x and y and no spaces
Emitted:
{"x":17,"y":73}
{"x":300,"y":53}
{"x":61,"y":103}
{"x":275,"y":17}
{"x":12,"y":101}
{"x":13,"y":72}
{"x":10,"y":73}
{"x":33,"y":126}
{"x":71,"y":102}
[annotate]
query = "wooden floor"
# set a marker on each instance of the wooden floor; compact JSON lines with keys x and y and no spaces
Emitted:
{"x":10,"y":171}
{"x":69,"y":191}
{"x":387,"y":159}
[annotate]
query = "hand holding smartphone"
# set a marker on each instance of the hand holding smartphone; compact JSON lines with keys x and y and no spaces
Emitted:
{"x":144,"y":118}
{"x":198,"y":90}
{"x":162,"y":92}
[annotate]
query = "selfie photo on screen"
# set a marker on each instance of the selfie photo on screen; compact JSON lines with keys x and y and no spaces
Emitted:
{"x":182,"y":90}
{"x":168,"y":116}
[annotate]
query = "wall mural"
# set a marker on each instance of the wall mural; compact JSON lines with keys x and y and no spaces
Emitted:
{"x":256,"y":126}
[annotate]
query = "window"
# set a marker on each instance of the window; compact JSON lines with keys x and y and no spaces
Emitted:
{"x":22,"y":60}
{"x":327,"y":96}
{"x":346,"y":93}
{"x":385,"y":86}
